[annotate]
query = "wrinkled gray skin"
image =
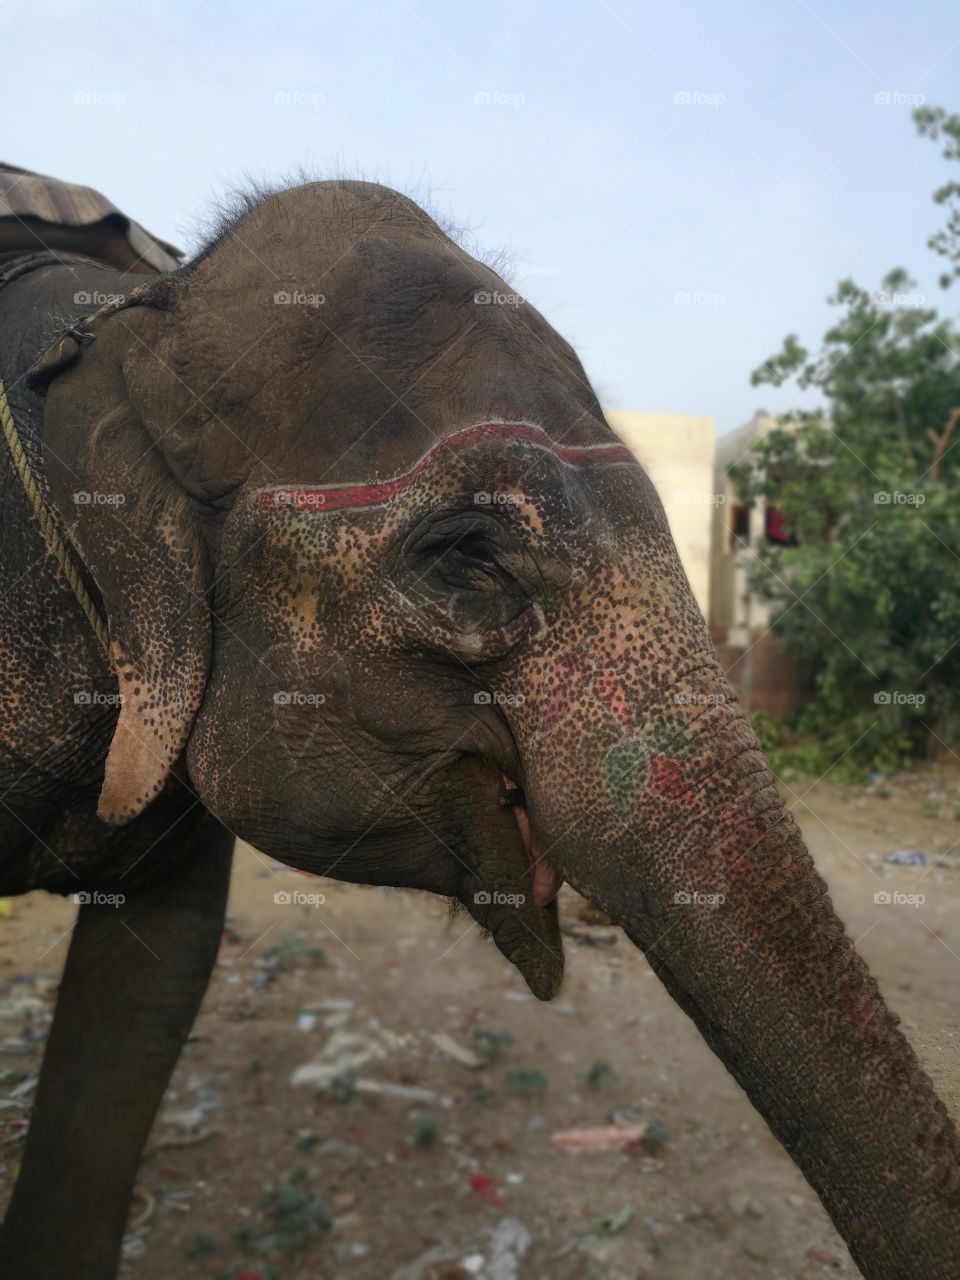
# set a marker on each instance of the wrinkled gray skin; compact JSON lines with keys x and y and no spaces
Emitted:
{"x":349,"y":683}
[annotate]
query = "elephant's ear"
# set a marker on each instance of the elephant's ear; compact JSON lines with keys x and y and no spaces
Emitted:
{"x":136,"y":531}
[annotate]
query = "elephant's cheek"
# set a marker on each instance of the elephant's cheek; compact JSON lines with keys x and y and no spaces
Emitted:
{"x":586,"y":775}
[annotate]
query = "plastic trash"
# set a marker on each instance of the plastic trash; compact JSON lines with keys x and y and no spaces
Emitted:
{"x":650,"y":1134}
{"x":613,"y":1223}
{"x":509,"y":1242}
{"x":487,"y":1188}
{"x":456,"y":1052}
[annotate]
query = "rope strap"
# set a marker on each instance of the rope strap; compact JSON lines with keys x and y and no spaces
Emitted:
{"x":55,"y":544}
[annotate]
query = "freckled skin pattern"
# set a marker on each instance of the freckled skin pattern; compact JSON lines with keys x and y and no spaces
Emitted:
{"x":346,"y":684}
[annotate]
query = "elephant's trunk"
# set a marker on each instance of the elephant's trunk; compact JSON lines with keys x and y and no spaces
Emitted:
{"x":688,"y":845}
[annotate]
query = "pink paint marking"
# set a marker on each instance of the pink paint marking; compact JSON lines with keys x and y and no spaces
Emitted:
{"x":357,"y":496}
{"x":668,"y":780}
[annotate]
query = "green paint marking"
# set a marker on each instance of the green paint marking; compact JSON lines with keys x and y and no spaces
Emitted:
{"x":628,"y":766}
{"x":668,"y":735}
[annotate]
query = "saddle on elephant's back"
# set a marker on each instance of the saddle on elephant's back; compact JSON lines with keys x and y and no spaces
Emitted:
{"x":38,"y":212}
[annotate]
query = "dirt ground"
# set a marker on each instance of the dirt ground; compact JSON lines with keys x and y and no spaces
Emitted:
{"x":249,"y":1175}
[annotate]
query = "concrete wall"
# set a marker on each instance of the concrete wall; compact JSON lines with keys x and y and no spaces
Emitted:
{"x":737,"y":614}
{"x":763,"y":674}
{"x":677,"y":452}
{"x":760,"y":669}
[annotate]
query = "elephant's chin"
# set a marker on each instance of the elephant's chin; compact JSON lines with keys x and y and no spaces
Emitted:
{"x":519,"y":906}
{"x":529,"y":936}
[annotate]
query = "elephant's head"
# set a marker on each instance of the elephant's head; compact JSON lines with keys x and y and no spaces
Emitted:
{"x":417,"y":616}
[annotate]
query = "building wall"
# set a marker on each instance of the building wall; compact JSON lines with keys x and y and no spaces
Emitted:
{"x":677,"y":452}
{"x":762,"y":672}
{"x":736,"y":613}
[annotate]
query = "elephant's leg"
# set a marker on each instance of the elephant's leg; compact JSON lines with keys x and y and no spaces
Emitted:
{"x":132,"y":985}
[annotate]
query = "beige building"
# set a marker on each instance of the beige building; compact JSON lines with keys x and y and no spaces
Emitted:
{"x":677,"y":452}
{"x":763,"y":673}
{"x":737,"y":614}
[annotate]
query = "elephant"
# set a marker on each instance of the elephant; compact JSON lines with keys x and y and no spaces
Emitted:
{"x":383,"y":594}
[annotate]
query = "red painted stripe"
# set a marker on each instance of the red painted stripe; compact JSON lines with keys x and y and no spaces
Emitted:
{"x":338,"y":497}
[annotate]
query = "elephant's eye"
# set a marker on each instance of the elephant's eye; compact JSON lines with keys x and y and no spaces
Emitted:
{"x":467,"y":564}
{"x":474,"y":546}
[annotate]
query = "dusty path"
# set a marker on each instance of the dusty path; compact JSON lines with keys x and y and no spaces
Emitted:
{"x":253,"y":1177}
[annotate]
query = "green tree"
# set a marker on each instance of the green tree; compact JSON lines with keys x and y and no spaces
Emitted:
{"x":935,"y":123}
{"x":869,"y":597}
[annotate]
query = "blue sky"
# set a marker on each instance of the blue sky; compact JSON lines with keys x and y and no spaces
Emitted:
{"x":622,"y":153}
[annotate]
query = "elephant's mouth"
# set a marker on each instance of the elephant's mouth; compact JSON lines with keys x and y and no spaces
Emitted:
{"x":545,"y":878}
{"x":505,"y":882}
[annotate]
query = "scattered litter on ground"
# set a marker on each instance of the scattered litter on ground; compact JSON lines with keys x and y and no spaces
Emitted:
{"x":650,"y":1135}
{"x":25,"y":1086}
{"x":563,"y":1007}
{"x":403,"y":1092}
{"x":641,"y":1112}
{"x":189,"y":1120}
{"x":486,"y":1188}
{"x":345,"y":1051}
{"x":291,"y":952}
{"x":613,"y":1223}
{"x":331,"y":1004}
{"x":142,"y":1209}
{"x":402,"y":1142}
{"x":425,"y":1133}
{"x":187,"y":1139}
{"x":291,"y":1218}
{"x":133,"y":1246}
{"x":615,"y":1137}
{"x":427,"y":1265}
{"x":741,"y":1205}
{"x":341,"y":1088}
{"x":202,"y":1246}
{"x":19,"y":1006}
{"x":656,"y":1137}
{"x":600,"y":1073}
{"x":509,"y":1242}
{"x":456,"y":1052}
{"x":524,"y":1080}
{"x":490,"y":1044}
{"x":907,"y":858}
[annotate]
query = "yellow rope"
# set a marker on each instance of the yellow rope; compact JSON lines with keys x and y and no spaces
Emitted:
{"x":55,"y":543}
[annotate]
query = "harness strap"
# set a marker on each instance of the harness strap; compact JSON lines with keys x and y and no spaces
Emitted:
{"x":51,"y":536}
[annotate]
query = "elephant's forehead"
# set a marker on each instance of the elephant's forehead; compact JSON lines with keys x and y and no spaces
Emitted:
{"x":481,"y":452}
